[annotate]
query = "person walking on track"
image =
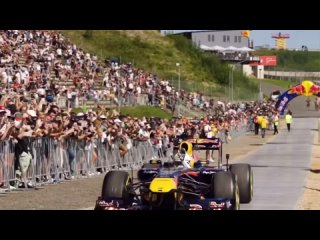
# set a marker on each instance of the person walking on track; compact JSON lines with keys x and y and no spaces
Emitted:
{"x":289,"y":120}
{"x":263,"y":124}
{"x":276,"y":123}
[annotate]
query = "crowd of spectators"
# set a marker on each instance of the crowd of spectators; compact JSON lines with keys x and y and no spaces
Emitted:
{"x":33,"y":62}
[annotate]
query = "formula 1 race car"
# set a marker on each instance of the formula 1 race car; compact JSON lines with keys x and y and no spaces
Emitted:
{"x":171,"y":185}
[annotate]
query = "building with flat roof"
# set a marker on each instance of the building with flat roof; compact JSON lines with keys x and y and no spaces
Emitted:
{"x":222,"y":38}
{"x":231,"y":46}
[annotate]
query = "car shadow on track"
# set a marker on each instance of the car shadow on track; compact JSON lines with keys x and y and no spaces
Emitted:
{"x":314,"y":189}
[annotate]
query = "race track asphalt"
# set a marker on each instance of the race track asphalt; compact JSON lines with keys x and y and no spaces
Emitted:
{"x":281,"y":165}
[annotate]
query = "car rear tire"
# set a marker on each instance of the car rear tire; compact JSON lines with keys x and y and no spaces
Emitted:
{"x":116,"y":185}
{"x":244,"y":175}
{"x":224,"y":185}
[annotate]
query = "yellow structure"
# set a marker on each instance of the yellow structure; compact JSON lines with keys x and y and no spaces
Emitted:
{"x":281,"y":43}
{"x":281,"y":40}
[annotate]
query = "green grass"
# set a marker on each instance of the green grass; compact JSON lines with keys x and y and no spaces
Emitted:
{"x":159,"y":54}
{"x":79,"y":110}
{"x":280,"y":83}
{"x":139,"y":112}
{"x":145,"y":111}
{"x":294,"y":60}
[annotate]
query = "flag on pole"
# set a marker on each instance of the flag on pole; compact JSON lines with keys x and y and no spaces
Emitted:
{"x":246,"y":33}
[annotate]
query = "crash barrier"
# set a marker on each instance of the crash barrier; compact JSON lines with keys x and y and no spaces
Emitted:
{"x":55,"y":161}
{"x":251,"y":125}
{"x":7,"y":157}
{"x":318,"y":130}
{"x":239,"y":129}
{"x":142,"y":99}
{"x":235,"y":131}
{"x":129,"y":99}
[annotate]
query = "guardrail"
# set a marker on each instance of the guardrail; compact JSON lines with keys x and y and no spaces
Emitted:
{"x":289,"y":74}
{"x":55,"y":161}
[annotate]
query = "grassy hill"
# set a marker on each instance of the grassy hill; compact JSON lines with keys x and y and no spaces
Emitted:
{"x":139,"y":112}
{"x":159,"y":54}
{"x":295,"y":60}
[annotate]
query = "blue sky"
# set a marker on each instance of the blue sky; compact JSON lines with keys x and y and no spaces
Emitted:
{"x":310,"y":38}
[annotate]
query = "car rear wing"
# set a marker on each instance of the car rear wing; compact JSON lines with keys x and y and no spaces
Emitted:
{"x":201,"y":143}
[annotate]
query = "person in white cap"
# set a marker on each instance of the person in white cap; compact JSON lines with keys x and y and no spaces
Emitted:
{"x":80,"y":114}
{"x":32,"y":113}
{"x":117,"y":120}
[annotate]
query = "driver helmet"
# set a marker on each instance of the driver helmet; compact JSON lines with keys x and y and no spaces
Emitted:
{"x":184,"y":146}
{"x":183,"y":151}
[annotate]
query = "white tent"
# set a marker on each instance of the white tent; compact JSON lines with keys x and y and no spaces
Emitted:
{"x":204,"y":47}
{"x":232,"y":48}
{"x":218,"y":48}
{"x":245,"y":49}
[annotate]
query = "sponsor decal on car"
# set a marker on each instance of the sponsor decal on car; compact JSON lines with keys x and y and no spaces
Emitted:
{"x":195,"y":207}
{"x":113,"y":208}
{"x":203,"y":140}
{"x":217,"y":206}
{"x":207,"y":172}
{"x":113,"y":205}
{"x":150,"y":171}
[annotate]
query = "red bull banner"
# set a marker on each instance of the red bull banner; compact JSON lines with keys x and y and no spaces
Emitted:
{"x":306,"y":88}
{"x":268,"y":60}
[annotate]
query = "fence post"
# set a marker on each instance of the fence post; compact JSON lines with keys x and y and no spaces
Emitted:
{"x":318,"y":130}
{"x":76,"y":104}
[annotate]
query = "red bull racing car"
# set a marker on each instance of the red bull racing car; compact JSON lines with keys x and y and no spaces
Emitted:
{"x":171,"y":185}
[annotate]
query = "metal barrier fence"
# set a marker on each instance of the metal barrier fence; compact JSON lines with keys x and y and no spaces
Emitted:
{"x":56,"y":161}
{"x":238,"y":130}
{"x":7,"y":162}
